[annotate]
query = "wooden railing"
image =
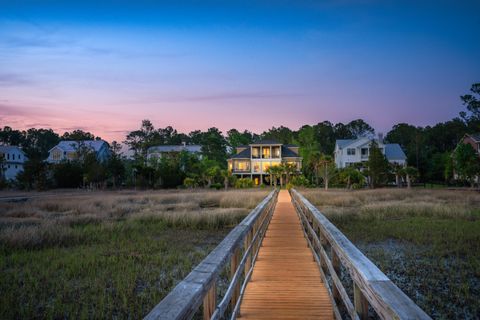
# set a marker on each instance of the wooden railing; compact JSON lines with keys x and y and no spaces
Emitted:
{"x":240,"y":247}
{"x":371,"y":287}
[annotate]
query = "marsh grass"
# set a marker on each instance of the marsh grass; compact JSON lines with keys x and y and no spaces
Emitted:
{"x":108,"y":255}
{"x":426,"y":241}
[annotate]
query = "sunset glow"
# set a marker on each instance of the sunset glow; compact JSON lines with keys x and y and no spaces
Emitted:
{"x":104,"y":67}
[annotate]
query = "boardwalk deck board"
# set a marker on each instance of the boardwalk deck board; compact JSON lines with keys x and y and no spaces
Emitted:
{"x":286,"y":282}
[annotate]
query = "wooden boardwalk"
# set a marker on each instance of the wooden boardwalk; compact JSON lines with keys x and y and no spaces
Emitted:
{"x":286,"y":282}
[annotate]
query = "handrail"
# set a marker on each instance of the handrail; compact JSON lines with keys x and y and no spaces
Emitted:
{"x":371,"y":287}
{"x":200,"y":285}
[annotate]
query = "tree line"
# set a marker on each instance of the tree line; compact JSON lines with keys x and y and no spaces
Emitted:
{"x":429,"y":150}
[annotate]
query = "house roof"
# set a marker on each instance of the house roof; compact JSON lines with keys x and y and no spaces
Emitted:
{"x":8,"y":149}
{"x":342,"y":143}
{"x":393,"y":151}
{"x":475,"y":136}
{"x":265,"y":141}
{"x":71,"y":145}
{"x":288,"y":153}
{"x":175,"y":148}
{"x":245,"y":154}
{"x":289,"y":145}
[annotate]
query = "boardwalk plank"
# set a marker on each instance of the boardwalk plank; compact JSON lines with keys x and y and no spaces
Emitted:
{"x":286,"y":282}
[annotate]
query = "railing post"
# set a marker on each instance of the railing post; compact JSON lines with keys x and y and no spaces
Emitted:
{"x":248,"y":261}
{"x":236,"y":257}
{"x":336,"y":267}
{"x":209,"y":302}
{"x":360,"y":302}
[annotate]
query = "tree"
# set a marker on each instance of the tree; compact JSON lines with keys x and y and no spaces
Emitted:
{"x":275,"y":173}
{"x":359,"y":128}
{"x":236,"y":138}
{"x":290,"y":169}
{"x":139,"y":140}
{"x":327,"y":169}
{"x":411,"y":174}
{"x":115,"y":164}
{"x":214,"y":146}
{"x":309,"y":148}
{"x":34,"y":175}
{"x":281,"y":134}
{"x":351,"y":177}
{"x":399,"y":171}
{"x":377,"y":166}
{"x":467,"y":163}
{"x":78,"y":135}
{"x":68,"y":174}
{"x":472,"y":102}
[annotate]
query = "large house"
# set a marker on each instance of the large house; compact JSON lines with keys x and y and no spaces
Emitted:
{"x":71,"y":150}
{"x":157,"y":152}
{"x":253,"y":161}
{"x":12,"y":163}
{"x":351,"y":151}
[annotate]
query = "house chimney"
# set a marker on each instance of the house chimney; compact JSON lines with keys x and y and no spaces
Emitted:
{"x":380,"y":137}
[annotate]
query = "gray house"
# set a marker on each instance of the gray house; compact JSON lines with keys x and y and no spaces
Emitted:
{"x":70,"y":150}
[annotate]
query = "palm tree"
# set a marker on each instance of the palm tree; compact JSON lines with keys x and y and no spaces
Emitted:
{"x":327,"y":169}
{"x":399,"y":172}
{"x":226,"y":175}
{"x":275,"y":172}
{"x":411,"y":174}
{"x":289,"y":169}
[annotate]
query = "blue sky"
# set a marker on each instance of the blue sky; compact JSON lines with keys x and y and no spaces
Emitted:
{"x":105,"y":65}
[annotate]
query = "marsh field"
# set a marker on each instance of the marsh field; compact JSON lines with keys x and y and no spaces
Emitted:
{"x":108,"y":254}
{"x":426,"y":241}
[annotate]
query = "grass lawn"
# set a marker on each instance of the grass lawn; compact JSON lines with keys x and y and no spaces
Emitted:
{"x":108,"y":255}
{"x":426,"y":241}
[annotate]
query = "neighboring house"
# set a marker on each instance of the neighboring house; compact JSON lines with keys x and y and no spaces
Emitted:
{"x":157,"y":152}
{"x":352,"y":151}
{"x":71,"y":150}
{"x":473,"y":140}
{"x":252,"y":161}
{"x":13,"y":160}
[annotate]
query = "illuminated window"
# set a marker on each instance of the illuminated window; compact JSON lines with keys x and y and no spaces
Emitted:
{"x":266,"y":152}
{"x":256,"y":167}
{"x":265,"y":166}
{"x":255,"y":152}
{"x":242,"y":166}
{"x":71,"y":155}
{"x":275,"y":152}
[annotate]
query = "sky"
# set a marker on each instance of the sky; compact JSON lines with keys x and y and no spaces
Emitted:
{"x":103,"y":66}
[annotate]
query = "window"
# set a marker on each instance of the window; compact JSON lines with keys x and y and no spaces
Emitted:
{"x":16,"y":167}
{"x":8,"y":156}
{"x":56,"y":155}
{"x":351,"y":151}
{"x":242,"y":166}
{"x":265,"y":152}
{"x":364,"y":151}
{"x":13,"y":156}
{"x":276,"y":152}
{"x":256,"y":167}
{"x":265,"y":166}
{"x":255,"y":152}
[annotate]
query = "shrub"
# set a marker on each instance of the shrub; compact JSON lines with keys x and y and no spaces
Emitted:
{"x":189,"y":183}
{"x":217,"y":186}
{"x":244,"y":183}
{"x":299,"y":181}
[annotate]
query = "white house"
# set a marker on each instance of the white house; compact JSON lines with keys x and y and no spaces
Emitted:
{"x":13,"y":160}
{"x":351,"y":151}
{"x":69,"y":150}
{"x":157,"y":152}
